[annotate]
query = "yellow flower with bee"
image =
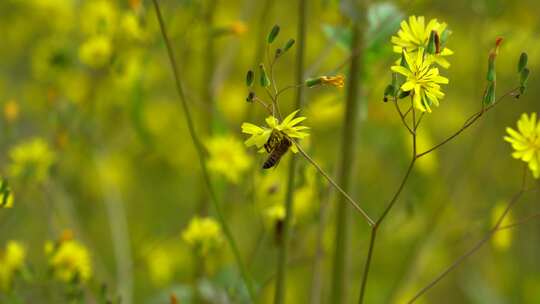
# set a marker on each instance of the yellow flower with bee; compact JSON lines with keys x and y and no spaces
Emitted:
{"x":278,"y":138}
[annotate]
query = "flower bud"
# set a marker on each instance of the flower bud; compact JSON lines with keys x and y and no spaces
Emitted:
{"x":523,"y":59}
{"x":249,"y":78}
{"x":273,"y":33}
{"x":264,"y":81}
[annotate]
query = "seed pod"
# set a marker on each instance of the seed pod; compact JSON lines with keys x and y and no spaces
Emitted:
{"x":522,"y":62}
{"x":489,"y":96}
{"x":288,"y":45}
{"x":273,"y":33}
{"x":313,"y":82}
{"x":264,"y":81}
{"x":491,"y":75}
{"x":524,"y":77}
{"x":249,"y":78}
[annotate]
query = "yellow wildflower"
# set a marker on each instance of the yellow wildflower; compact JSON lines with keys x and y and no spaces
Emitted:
{"x":132,"y":27}
{"x":69,"y":260}
{"x":274,"y":213}
{"x":337,"y":81}
{"x":227,"y":157}
{"x":526,"y":142}
{"x":162,"y":264}
{"x":204,"y":234}
{"x":96,"y":51}
{"x":414,"y":36}
{"x":99,"y":18}
{"x":288,"y":127}
{"x":32,"y":158}
{"x":422,"y":80}
{"x":11,"y":261}
{"x":238,"y":28}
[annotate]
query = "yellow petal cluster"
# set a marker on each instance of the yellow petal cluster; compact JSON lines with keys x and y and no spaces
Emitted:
{"x":227,"y":156}
{"x":69,"y":260}
{"x":11,"y":260}
{"x":422,"y":80}
{"x":414,"y":35}
{"x":526,"y":141}
{"x":204,"y":234}
{"x":289,"y":127}
{"x":31,"y":158}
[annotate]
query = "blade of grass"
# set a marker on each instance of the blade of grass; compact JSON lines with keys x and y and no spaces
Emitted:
{"x":201,"y":155}
{"x":279,"y":297}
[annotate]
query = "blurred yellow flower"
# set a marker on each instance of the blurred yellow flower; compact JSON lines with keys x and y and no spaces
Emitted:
{"x":227,"y":157}
{"x":96,"y":51}
{"x":414,"y":36}
{"x":238,"y":28}
{"x":288,"y":127}
{"x":6,"y":195}
{"x":502,"y":239}
{"x":32,"y":158}
{"x":422,"y":80}
{"x":69,"y":260}
{"x":204,"y":234}
{"x":11,"y":261}
{"x":336,"y":81}
{"x":131,"y":27}
{"x":274,"y":213}
{"x":98,"y":17}
{"x":526,"y":142}
{"x":11,"y":111}
{"x":161,"y":265}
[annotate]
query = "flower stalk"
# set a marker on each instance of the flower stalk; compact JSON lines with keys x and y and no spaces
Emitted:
{"x":279,"y":297}
{"x":201,"y":155}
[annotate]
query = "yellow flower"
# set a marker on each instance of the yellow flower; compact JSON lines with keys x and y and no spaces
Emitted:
{"x":69,"y":260}
{"x":204,"y":234}
{"x":422,"y":80}
{"x":131,"y":27}
{"x":11,"y":261}
{"x":414,"y":36}
{"x":98,"y":18}
{"x":32,"y":158}
{"x":238,"y":28}
{"x":526,"y":142}
{"x":288,"y":127}
{"x":227,"y":157}
{"x":337,"y":81}
{"x":162,"y":264}
{"x":6,"y":195}
{"x":275,"y":213}
{"x":96,"y":51}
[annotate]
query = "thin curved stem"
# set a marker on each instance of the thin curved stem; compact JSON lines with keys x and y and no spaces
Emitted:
{"x":335,"y":185}
{"x":478,"y":245}
{"x":469,"y":122}
{"x":201,"y":155}
{"x":279,"y":297}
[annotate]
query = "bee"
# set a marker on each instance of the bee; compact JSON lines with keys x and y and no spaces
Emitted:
{"x":6,"y":197}
{"x":277,"y":145}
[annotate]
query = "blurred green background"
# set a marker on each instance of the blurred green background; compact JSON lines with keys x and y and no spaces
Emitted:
{"x":87,"y":93}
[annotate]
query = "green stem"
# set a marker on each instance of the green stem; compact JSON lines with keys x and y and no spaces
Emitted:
{"x":340,"y":263}
{"x":201,"y":155}
{"x":279,"y":297}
